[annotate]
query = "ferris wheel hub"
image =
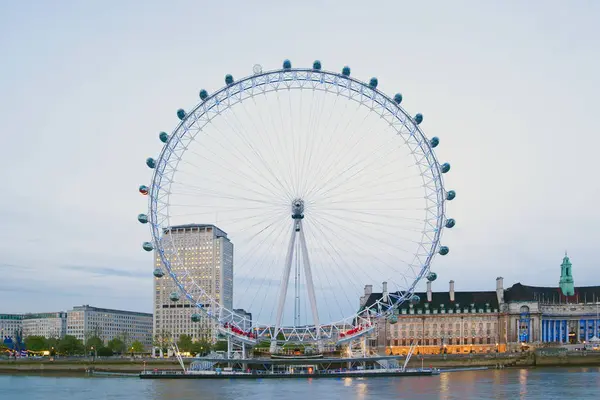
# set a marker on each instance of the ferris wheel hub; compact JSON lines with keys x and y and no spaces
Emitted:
{"x":297,"y":209}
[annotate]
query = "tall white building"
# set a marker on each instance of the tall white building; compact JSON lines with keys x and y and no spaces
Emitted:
{"x":85,"y":321}
{"x":9,"y":324}
{"x":49,"y":325}
{"x":207,"y":255}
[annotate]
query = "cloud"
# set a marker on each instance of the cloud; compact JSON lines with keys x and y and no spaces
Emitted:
{"x":105,"y":271}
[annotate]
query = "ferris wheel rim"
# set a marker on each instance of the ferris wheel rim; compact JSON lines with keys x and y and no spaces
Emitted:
{"x":363,"y":92}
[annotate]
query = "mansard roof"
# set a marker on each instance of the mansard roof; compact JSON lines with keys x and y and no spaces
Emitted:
{"x":464,"y":299}
{"x":520,"y":292}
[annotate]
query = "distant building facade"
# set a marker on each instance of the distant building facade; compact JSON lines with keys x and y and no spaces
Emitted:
{"x":565,"y":314}
{"x":443,"y":322}
{"x":49,"y":325}
{"x":489,"y":321}
{"x":84,"y":322}
{"x":207,"y":255}
{"x":10,"y":324}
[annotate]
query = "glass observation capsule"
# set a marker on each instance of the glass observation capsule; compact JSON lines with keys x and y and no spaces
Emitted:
{"x":181,"y":114}
{"x":317,"y":64}
{"x":432,"y":276}
{"x":398,"y":98}
{"x":174,"y":296}
{"x":164,"y":137}
{"x":150,"y":162}
{"x":203,"y":94}
{"x":143,"y":218}
{"x":445,"y":167}
{"x":373,"y":82}
{"x":393,"y":319}
{"x":228,"y":79}
{"x":444,"y":250}
{"x":148,"y":246}
{"x":450,"y":223}
{"x":196,"y":317}
{"x":415,"y":299}
{"x":287,"y":64}
{"x":159,"y":273}
{"x":143,"y":189}
{"x":346,"y":71}
{"x":450,"y":195}
{"x":434,"y":141}
{"x":419,"y":118}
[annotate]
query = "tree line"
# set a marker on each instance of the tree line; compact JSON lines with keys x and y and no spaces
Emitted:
{"x":70,"y":345}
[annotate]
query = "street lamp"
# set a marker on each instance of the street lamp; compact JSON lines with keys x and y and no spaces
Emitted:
{"x":131,"y":351}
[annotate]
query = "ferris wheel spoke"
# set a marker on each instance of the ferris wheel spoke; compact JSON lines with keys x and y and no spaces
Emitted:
{"x":258,"y":154}
{"x":322,"y":241}
{"x":333,"y":220}
{"x":277,"y":231}
{"x":223,"y":165}
{"x":247,"y":162}
{"x":389,"y":181}
{"x":327,"y":148}
{"x":231,"y":185}
{"x":349,"y":173}
{"x":260,"y":133}
{"x":267,"y":232}
{"x":204,"y":192}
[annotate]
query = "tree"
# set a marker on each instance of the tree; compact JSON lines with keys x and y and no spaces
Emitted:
{"x":52,"y":343}
{"x":162,"y":340}
{"x":94,"y":342}
{"x":201,"y":347}
{"x":185,"y":343}
{"x":116,"y":345}
{"x":220,"y":346}
{"x":70,"y":345}
{"x":137,"y":346}
{"x":105,"y":352}
{"x":36,"y":343}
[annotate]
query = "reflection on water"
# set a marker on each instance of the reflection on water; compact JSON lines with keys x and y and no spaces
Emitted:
{"x":541,"y":383}
{"x":523,"y":382}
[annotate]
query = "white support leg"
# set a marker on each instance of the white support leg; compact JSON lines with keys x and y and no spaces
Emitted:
{"x":309,"y":285}
{"x":284,"y":287}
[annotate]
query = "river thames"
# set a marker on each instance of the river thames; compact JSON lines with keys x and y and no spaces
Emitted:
{"x":538,"y":383}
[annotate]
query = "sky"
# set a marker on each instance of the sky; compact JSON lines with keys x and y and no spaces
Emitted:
{"x":509,"y":87}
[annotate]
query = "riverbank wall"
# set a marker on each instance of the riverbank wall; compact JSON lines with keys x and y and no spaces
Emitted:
{"x":539,"y":358}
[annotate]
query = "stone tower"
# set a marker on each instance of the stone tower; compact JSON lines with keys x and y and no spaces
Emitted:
{"x":567,"y":286}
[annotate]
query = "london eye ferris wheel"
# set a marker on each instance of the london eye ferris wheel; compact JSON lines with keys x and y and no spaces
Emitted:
{"x":324,"y":184}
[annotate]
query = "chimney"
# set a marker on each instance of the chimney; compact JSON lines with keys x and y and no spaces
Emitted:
{"x":365,"y":297}
{"x":429,"y":291}
{"x":384,"y":291}
{"x":451,"y":290}
{"x":500,"y":289}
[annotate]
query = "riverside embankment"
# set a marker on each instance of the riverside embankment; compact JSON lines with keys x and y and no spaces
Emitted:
{"x":554,"y":357}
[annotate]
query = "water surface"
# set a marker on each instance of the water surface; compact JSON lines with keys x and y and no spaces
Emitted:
{"x":537,"y":383}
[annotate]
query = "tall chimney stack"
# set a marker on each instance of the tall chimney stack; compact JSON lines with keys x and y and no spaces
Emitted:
{"x":384,"y":293}
{"x":365,"y":297}
{"x":451,"y":290}
{"x":500,"y":289}
{"x":429,"y":295}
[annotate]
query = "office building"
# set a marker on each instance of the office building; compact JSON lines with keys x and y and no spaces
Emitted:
{"x":49,"y":325}
{"x":84,"y":322}
{"x":206,"y":255}
{"x":10,"y":324}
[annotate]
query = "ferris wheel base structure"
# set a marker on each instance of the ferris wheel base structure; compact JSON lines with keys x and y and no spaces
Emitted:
{"x":215,"y":106}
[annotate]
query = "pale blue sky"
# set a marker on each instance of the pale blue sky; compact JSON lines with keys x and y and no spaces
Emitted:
{"x":510,"y":88}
